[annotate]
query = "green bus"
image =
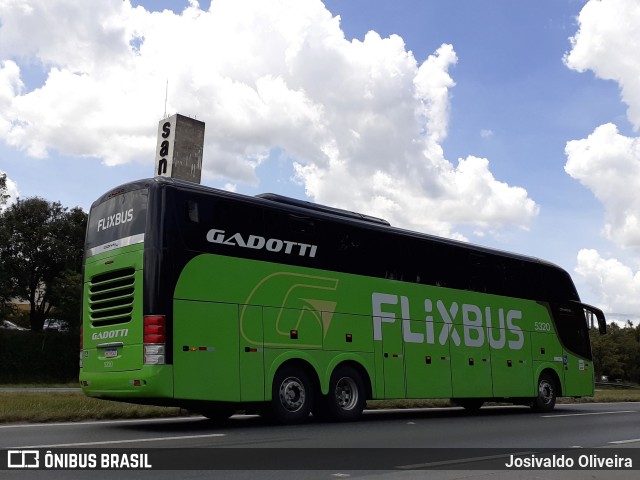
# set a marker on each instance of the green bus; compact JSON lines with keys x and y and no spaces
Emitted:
{"x":215,"y":302}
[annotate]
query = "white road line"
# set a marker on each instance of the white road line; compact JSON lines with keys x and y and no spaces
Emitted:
{"x":618,"y":442}
{"x":116,"y":442}
{"x":583,"y":414}
{"x":73,"y":424}
{"x":460,"y":461}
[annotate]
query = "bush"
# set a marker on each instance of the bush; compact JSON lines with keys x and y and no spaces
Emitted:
{"x":38,"y":357}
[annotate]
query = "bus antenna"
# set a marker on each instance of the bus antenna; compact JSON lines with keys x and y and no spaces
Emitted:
{"x":166,"y":95}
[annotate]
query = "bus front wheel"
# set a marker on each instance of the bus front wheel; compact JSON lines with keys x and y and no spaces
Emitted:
{"x":547,"y":394}
{"x":291,"y":396}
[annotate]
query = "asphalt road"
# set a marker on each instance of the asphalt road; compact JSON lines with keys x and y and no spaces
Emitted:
{"x":612,"y":428}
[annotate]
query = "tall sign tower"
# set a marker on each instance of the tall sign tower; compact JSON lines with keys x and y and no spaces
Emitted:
{"x":179,"y":149}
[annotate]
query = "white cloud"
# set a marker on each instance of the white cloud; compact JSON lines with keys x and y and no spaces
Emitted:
{"x":607,"y":43}
{"x":363,"y":119}
{"x":617,"y":285}
{"x":486,"y":133}
{"x":607,"y":162}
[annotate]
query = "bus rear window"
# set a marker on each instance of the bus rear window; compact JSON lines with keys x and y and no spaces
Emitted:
{"x":117,"y":222}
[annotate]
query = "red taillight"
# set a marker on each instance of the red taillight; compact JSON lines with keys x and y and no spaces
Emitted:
{"x":154,"y":331}
{"x":155,"y":339}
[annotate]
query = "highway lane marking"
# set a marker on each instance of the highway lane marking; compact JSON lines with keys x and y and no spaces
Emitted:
{"x":618,"y":442}
{"x":583,"y":414}
{"x":115,"y":442}
{"x":461,"y":461}
{"x":99,"y":422}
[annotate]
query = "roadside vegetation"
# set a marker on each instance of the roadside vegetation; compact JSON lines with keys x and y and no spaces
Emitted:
{"x":36,"y":407}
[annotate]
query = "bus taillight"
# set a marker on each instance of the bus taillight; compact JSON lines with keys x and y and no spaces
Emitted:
{"x":155,"y":340}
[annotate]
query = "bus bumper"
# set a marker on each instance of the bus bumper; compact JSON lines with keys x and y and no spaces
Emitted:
{"x":153,"y":381}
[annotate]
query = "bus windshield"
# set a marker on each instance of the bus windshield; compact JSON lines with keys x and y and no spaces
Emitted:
{"x":117,"y":222}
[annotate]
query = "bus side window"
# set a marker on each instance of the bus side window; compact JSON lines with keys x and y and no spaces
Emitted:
{"x":192,"y":211}
{"x":479,"y":274}
{"x":302,"y":225}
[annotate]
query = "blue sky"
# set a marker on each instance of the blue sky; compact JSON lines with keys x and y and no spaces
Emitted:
{"x":453,"y":118}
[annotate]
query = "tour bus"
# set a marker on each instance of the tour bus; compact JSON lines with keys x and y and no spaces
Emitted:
{"x":216,"y":302}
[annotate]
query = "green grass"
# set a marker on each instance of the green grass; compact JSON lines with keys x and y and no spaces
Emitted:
{"x":71,"y":407}
{"x":40,"y":385}
{"x":603,"y":396}
{"x":35,"y":407}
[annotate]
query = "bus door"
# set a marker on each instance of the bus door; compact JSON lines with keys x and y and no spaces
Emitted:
{"x":573,"y":330}
{"x":546,"y":348}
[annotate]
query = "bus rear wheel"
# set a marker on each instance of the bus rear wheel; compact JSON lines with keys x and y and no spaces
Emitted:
{"x":547,"y":394}
{"x":346,"y":399}
{"x":291,"y":396}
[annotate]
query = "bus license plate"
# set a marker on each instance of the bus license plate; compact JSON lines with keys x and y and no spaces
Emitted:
{"x":111,"y":353}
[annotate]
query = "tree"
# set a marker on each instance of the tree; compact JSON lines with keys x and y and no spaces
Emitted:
{"x":39,"y":240}
{"x":5,"y":281}
{"x":617,"y":354}
{"x":4,"y":197}
{"x":65,"y":292}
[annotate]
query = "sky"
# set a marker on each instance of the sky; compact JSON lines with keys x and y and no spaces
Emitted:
{"x":513,"y":125}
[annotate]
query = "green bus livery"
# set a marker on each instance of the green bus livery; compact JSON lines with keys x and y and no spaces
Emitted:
{"x":215,"y":302}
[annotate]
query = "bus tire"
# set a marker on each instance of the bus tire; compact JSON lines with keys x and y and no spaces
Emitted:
{"x":547,"y":394}
{"x":291,"y":396}
{"x":346,"y":399}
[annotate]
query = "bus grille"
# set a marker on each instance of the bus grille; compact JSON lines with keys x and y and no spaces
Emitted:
{"x":111,"y":297}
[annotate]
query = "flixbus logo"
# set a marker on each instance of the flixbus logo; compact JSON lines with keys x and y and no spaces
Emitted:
{"x":115,"y":219}
{"x":256,"y":242}
{"x":477,"y":323}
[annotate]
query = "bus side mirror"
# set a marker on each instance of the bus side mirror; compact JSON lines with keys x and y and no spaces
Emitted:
{"x":590,"y":312}
{"x":602,"y":325}
{"x":596,"y":312}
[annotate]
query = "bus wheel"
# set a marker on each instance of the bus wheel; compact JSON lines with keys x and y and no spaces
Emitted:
{"x":470,"y":404}
{"x":291,"y":396}
{"x":346,"y":399}
{"x":546,"y":399}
